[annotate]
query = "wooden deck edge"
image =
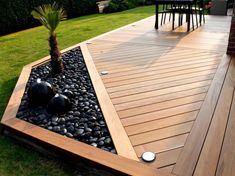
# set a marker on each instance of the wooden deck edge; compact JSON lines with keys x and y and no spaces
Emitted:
{"x":18,"y":92}
{"x":226,"y":160}
{"x":189,"y":156}
{"x":79,"y":150}
{"x":116,"y":129}
{"x":57,"y":154}
{"x":208,"y":160}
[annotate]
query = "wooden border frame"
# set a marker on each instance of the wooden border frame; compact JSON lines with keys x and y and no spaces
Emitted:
{"x":117,"y":131}
{"x":190,"y":154}
{"x":126,"y":162}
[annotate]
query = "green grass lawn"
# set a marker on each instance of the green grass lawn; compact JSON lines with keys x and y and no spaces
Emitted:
{"x":21,"y":48}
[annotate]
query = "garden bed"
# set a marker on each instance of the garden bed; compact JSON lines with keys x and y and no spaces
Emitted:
{"x":84,"y":121}
{"x":34,"y":131}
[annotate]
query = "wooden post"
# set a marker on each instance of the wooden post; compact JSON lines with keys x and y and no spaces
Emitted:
{"x":231,"y":42}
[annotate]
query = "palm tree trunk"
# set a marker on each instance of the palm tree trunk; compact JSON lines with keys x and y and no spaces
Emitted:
{"x":56,"y":62}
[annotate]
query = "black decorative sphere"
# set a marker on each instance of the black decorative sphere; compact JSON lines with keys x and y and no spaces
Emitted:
{"x":59,"y":104}
{"x":40,"y":93}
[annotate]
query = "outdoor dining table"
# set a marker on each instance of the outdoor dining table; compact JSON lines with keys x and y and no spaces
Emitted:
{"x":188,"y":3}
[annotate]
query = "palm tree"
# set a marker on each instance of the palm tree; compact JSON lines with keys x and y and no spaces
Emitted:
{"x":50,"y":16}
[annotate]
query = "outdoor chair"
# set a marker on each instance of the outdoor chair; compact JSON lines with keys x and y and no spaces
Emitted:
{"x":166,"y":8}
{"x":181,"y":10}
{"x":173,"y":9}
{"x":199,"y":8}
{"x":230,"y":4}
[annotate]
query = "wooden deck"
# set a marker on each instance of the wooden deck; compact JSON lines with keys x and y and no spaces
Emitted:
{"x":169,"y":92}
{"x":173,"y":92}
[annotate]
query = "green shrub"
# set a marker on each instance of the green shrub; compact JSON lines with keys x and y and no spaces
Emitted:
{"x":112,"y":7}
{"x":127,"y":4}
{"x":120,"y":5}
{"x":149,"y":2}
{"x":15,"y":14}
{"x":75,"y":8}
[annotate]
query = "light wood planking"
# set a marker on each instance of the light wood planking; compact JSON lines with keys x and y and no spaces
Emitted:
{"x":133,"y":93}
{"x":118,"y":134}
{"x":156,"y":56}
{"x":163,"y":78}
{"x":160,"y":92}
{"x":135,"y":73}
{"x":155,"y":135}
{"x":160,"y":98}
{"x":130,"y":67}
{"x":162,"y":145}
{"x":159,"y":106}
{"x":158,"y":82}
{"x":193,"y":146}
{"x":167,"y":169}
{"x":134,"y":69}
{"x":154,"y":61}
{"x":227,"y":156}
{"x":161,"y":123}
{"x":208,"y":160}
{"x":157,"y":72}
{"x":166,"y":158}
{"x":157,"y":79}
{"x":161,"y":114}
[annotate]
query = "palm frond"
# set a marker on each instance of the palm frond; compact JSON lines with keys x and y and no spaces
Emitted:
{"x":49,"y":15}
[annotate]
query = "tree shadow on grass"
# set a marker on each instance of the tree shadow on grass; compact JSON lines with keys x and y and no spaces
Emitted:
{"x":17,"y":158}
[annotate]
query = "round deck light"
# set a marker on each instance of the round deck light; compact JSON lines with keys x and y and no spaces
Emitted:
{"x":148,"y":156}
{"x":104,"y":72}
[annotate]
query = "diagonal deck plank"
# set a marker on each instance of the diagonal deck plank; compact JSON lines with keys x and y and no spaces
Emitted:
{"x":158,"y":82}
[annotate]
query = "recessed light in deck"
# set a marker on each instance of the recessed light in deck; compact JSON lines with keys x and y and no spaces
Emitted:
{"x":148,"y":156}
{"x":104,"y":72}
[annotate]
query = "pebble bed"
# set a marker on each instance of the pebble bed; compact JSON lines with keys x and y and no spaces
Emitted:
{"x":84,"y":121}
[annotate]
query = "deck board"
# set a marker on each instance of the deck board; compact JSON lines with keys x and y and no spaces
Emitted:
{"x":155,"y":135}
{"x":166,"y":158}
{"x":227,"y":156}
{"x":158,"y":82}
{"x":211,"y":148}
{"x":161,"y":123}
{"x":196,"y":139}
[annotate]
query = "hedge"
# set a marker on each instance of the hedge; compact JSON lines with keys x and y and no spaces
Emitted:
{"x":121,"y":5}
{"x":15,"y":14}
